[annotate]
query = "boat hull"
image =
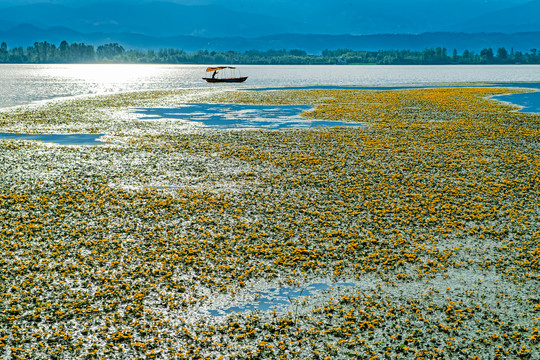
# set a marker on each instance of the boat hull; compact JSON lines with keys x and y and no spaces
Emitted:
{"x":226,"y":80}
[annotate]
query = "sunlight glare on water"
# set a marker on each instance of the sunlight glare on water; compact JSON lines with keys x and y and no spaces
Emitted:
{"x":28,"y":83}
{"x":104,"y":74}
{"x":100,"y":78}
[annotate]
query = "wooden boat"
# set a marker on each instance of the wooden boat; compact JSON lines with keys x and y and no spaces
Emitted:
{"x":231,"y":80}
{"x":218,"y":79}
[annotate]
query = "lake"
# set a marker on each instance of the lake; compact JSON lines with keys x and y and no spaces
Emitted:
{"x":28,"y":83}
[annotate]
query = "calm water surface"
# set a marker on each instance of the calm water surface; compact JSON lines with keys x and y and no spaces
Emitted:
{"x":240,"y":116}
{"x":24,"y":84}
{"x":62,"y":139}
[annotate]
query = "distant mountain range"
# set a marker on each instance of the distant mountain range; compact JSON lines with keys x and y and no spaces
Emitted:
{"x":521,"y":18}
{"x":26,"y":35}
{"x":152,"y":19}
{"x":240,"y":25}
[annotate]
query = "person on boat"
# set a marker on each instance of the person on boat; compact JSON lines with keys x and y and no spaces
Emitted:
{"x":214,"y":74}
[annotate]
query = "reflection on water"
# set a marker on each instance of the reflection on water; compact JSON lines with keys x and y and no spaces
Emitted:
{"x":26,"y":83}
{"x":276,"y":298}
{"x":70,"y":139}
{"x":530,"y":102}
{"x":237,"y":116}
{"x":335,"y":87}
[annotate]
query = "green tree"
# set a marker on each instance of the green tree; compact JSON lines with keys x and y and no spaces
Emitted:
{"x":502,"y":54}
{"x":44,"y":52}
{"x":518,"y":57}
{"x":296,"y":52}
{"x":109,"y":51}
{"x":64,"y":52}
{"x":487,"y":54}
{"x":18,"y":55}
{"x":82,"y":52}
{"x":4,"y":54}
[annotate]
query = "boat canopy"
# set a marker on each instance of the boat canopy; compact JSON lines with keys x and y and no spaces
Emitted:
{"x":219,"y":68}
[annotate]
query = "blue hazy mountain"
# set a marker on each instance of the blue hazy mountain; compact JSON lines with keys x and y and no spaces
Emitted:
{"x":156,"y":19}
{"x":251,"y":18}
{"x":523,"y":17}
{"x":26,"y":35}
{"x":257,"y":24}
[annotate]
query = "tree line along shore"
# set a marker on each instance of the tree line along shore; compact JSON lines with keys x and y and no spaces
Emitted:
{"x":44,"y":52}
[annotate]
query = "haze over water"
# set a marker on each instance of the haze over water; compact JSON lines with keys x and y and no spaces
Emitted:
{"x":24,"y":84}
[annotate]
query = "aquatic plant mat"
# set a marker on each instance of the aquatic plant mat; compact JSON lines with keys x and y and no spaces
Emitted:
{"x":429,"y":213}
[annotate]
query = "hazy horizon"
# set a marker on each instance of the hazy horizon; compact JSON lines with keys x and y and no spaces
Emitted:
{"x":273,"y":24}
{"x":258,"y":17}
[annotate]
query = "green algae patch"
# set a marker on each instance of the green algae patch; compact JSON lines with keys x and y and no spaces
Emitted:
{"x":121,"y":250}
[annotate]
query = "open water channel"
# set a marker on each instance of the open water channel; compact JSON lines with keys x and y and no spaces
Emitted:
{"x":26,"y":84}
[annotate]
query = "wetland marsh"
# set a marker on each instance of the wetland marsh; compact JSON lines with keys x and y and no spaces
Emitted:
{"x":124,"y":250}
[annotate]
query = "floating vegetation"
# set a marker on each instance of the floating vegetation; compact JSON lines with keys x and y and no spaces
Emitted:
{"x":115,"y":251}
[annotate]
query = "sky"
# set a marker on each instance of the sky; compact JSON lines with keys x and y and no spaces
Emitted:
{"x":276,"y":3}
{"x":312,"y":7}
{"x":357,"y":17}
{"x":138,"y":25}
